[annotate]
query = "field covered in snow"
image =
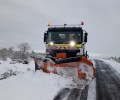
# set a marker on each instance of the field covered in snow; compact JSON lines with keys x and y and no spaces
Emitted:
{"x":20,"y":82}
{"x":23,"y":83}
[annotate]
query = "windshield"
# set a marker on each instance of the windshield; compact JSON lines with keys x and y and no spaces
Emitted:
{"x":64,"y":37}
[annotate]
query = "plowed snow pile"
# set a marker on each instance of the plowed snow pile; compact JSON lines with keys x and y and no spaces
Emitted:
{"x":20,"y":82}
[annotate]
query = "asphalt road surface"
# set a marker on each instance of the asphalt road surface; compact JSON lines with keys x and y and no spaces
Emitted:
{"x":107,"y":82}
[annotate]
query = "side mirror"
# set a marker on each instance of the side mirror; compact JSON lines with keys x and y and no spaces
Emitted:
{"x":45,"y":37}
{"x":85,"y":37}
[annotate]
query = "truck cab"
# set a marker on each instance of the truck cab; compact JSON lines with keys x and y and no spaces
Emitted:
{"x":69,"y":40}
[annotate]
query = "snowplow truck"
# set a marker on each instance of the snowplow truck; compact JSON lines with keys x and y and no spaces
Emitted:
{"x":65,"y":54}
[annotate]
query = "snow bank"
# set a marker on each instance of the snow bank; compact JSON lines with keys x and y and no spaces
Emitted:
{"x":100,"y":56}
{"x":114,"y":64}
{"x":28,"y":84}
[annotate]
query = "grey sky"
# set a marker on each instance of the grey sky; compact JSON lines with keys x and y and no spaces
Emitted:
{"x":25,"y":21}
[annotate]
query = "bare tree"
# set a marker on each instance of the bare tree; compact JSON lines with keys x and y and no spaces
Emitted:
{"x":3,"y":53}
{"x":24,"y":47}
{"x":22,"y":54}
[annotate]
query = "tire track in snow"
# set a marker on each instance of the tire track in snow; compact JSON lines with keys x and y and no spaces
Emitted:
{"x":72,"y":94}
{"x":62,"y":94}
{"x":84,"y":93}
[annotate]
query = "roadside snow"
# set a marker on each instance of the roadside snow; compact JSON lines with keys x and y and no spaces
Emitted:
{"x":18,"y":67}
{"x":28,"y":84}
{"x":92,"y":87}
{"x":92,"y":90}
{"x":114,"y":64}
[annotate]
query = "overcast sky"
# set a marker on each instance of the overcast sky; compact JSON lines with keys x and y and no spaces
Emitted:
{"x":26,"y":20}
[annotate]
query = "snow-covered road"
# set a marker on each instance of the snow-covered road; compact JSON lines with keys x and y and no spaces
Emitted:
{"x":26,"y":84}
{"x":106,"y":86}
{"x":107,"y":82}
{"x":72,"y":94}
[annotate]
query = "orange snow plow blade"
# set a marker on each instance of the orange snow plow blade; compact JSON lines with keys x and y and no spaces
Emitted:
{"x":79,"y":67}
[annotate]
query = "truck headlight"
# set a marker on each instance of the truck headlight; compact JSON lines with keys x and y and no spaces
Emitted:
{"x":72,"y":43}
{"x":51,"y":43}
